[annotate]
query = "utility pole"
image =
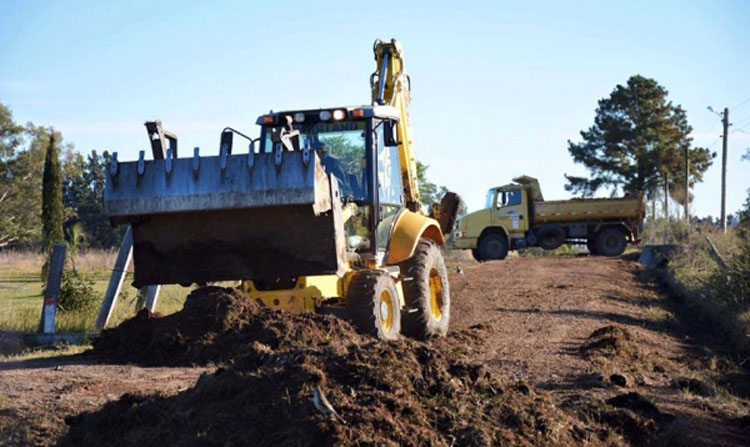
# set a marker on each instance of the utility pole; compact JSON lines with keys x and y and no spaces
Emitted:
{"x":725,"y":122}
{"x":666,"y":196}
{"x":687,"y":187}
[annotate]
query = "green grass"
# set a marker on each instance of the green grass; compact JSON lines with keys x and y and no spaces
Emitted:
{"x":696,"y":278}
{"x":61,"y":350}
{"x":21,"y":293}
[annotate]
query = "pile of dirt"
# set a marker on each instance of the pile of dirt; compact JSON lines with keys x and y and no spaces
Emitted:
{"x":216,"y":325}
{"x":631,"y":415}
{"x":611,"y":342}
{"x":400,"y":393}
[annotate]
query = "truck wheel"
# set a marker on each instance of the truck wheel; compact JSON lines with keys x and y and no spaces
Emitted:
{"x":551,"y":236}
{"x":476,"y":255}
{"x":493,"y":246}
{"x":610,"y":242}
{"x":591,"y":245}
{"x":373,"y":305}
{"x":426,"y":293}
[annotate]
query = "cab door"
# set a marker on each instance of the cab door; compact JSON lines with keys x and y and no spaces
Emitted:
{"x":510,"y":210}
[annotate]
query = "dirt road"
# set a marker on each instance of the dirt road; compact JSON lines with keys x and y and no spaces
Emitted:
{"x":578,"y":330}
{"x":542,"y":310}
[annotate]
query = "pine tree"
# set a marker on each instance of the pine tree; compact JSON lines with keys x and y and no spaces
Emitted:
{"x":52,"y":200}
{"x":637,"y":142}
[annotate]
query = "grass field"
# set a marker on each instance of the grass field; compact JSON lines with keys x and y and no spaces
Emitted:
{"x":21,"y":292}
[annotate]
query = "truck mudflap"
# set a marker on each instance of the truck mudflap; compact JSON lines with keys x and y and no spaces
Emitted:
{"x":228,"y":217}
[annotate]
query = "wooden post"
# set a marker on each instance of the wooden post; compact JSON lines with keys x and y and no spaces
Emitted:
{"x":54,"y":281}
{"x":687,"y":188}
{"x":714,"y":252}
{"x":666,"y":196}
{"x":115,"y":281}
{"x":725,"y":123}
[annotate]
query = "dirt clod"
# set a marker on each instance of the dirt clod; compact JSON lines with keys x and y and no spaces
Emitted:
{"x":695,"y":386}
{"x":611,"y":341}
{"x":636,"y":402}
{"x":621,"y":380}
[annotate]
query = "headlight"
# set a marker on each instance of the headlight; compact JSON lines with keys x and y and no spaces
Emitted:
{"x":299,"y":117}
{"x":325,"y":115}
{"x":338,"y":115}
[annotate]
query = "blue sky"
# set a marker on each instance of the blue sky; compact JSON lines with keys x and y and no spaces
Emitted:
{"x":498,"y":87}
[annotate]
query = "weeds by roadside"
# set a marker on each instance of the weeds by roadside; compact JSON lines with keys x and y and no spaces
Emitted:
{"x":21,"y":292}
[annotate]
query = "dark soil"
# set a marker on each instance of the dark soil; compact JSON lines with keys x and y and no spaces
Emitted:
{"x":216,"y":325}
{"x":404,"y":393}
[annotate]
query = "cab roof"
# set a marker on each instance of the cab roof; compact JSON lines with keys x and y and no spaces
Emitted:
{"x":369,"y":111}
{"x":529,"y":182}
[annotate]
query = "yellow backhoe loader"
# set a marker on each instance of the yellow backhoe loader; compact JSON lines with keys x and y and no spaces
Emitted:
{"x":321,"y":214}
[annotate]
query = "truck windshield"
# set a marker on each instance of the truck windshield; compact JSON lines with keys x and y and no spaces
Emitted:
{"x":341,"y":148}
{"x":490,"y":199}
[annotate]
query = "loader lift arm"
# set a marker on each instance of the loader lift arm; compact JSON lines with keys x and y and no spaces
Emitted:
{"x":391,"y":86}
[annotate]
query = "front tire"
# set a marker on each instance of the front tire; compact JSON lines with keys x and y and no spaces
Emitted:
{"x":476,"y":255}
{"x":373,"y":305}
{"x":493,"y":246}
{"x":426,"y":292}
{"x":610,"y":242}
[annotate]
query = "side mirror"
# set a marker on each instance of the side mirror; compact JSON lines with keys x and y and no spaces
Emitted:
{"x":226,"y":141}
{"x":390,"y":133}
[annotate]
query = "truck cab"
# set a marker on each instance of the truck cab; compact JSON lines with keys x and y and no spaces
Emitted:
{"x":502,"y":224}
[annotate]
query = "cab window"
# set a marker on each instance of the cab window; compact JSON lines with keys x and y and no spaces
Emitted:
{"x":508,"y":198}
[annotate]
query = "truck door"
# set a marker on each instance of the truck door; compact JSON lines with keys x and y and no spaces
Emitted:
{"x":510,"y":211}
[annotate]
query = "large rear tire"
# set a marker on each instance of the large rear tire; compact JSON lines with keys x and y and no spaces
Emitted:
{"x":610,"y":242}
{"x":493,"y":246}
{"x":373,"y":305}
{"x":426,"y":292}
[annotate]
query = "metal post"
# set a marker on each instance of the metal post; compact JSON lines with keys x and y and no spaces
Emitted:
{"x":152,"y":295}
{"x":115,"y":281}
{"x":54,"y":281}
{"x":725,"y":122}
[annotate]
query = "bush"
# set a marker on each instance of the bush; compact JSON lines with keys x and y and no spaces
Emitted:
{"x":733,"y":285}
{"x":655,"y":230}
{"x":76,"y":292}
{"x":563,"y":250}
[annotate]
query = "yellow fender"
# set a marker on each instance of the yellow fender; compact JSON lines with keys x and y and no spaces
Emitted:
{"x":407,"y":231}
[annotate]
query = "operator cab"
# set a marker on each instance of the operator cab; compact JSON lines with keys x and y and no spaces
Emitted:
{"x":358,"y":146}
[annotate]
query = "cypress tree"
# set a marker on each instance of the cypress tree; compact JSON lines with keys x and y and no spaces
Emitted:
{"x":52,"y":197}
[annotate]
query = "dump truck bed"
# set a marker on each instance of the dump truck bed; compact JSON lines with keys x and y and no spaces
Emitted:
{"x":626,"y":208}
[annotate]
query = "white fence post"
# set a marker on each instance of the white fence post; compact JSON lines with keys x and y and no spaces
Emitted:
{"x":52,"y":293}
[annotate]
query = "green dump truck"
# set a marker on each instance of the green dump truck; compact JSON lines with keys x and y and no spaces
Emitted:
{"x":516,"y":216}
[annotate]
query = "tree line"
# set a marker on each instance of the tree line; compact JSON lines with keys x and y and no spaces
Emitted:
{"x":24,"y":151}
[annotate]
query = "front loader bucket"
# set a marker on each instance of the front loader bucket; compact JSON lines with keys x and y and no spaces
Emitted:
{"x":228,"y":217}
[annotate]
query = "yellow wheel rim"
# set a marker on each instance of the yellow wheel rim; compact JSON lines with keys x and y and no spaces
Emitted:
{"x":387,"y":310}
{"x":436,"y":295}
